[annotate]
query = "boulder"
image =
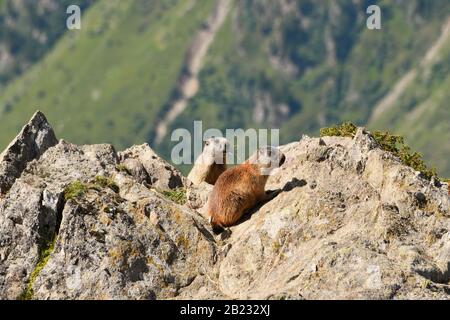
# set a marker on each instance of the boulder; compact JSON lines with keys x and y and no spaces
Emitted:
{"x":157,"y":173}
{"x":33,"y":140}
{"x":352,"y":222}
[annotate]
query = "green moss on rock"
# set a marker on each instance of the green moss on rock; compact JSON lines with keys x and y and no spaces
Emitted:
{"x":44,"y":255}
{"x":177,"y":195}
{"x":122,"y":168}
{"x":75,"y":190}
{"x":105,"y":182}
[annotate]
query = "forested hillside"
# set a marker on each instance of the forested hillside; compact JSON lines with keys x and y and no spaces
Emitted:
{"x":139,"y":69}
{"x":29,"y":28}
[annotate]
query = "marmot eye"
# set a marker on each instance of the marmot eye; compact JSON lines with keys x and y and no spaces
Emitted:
{"x":207,"y":143}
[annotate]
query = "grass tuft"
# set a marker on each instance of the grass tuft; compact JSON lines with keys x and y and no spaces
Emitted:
{"x":105,"y":182}
{"x":177,"y":195}
{"x":387,"y":142}
{"x":75,"y":190}
{"x":347,"y":129}
{"x":44,"y":255}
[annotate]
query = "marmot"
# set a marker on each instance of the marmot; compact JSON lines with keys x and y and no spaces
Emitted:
{"x":211,"y":163}
{"x":242,"y":187}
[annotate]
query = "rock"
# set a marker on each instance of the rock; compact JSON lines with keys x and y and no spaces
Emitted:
{"x":161,"y":175}
{"x":24,"y":227}
{"x":133,"y":257}
{"x":135,"y":168}
{"x":350,"y":221}
{"x":31,"y":212}
{"x":124,"y":254}
{"x":35,"y":217}
{"x":197,"y":196}
{"x":351,"y":226}
{"x":34,"y":139}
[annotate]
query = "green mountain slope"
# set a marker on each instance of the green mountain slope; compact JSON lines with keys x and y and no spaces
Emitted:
{"x":106,"y":82}
{"x":295,"y":65}
{"x":326,"y":70}
{"x":422,"y":111}
{"x":29,"y":29}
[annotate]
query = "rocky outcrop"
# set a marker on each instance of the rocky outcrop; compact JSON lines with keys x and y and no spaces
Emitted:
{"x":34,"y":139}
{"x":145,"y":165}
{"x":83,"y":201}
{"x":124,"y":250}
{"x":350,"y":222}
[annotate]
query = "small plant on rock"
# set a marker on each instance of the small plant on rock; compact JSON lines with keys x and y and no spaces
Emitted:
{"x":74,"y":190}
{"x":44,"y":255}
{"x":387,"y":142}
{"x":177,"y":195}
{"x":105,"y":182}
{"x":77,"y":188}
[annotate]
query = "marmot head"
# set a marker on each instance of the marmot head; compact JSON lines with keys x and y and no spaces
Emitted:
{"x":267,"y":158}
{"x":215,"y":150}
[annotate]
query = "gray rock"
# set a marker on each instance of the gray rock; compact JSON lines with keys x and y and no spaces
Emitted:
{"x":102,"y":224}
{"x":31,"y":212}
{"x":161,"y":175}
{"x":354,"y":227}
{"x":34,"y":139}
{"x":197,"y":196}
{"x":108,"y":248}
{"x":350,"y":222}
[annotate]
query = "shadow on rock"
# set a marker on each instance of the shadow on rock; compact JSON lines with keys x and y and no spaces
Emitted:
{"x":272,"y":194}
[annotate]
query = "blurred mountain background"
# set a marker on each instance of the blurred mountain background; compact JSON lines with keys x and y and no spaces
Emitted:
{"x":140,"y":68}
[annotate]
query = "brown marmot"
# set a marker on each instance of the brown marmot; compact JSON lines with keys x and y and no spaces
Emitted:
{"x":242,"y":187}
{"x":211,"y":163}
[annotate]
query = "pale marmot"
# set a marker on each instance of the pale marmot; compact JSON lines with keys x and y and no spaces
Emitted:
{"x":211,"y":163}
{"x":242,"y":187}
